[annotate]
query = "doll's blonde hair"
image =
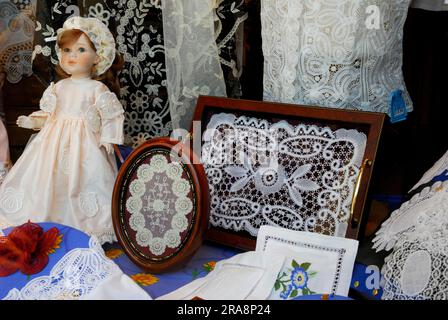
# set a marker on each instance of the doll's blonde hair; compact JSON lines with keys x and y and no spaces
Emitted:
{"x":109,"y":78}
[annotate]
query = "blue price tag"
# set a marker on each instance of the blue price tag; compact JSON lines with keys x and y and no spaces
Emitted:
{"x":398,"y":111}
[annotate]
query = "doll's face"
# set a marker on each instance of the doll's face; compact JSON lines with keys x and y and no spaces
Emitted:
{"x":78,"y":57}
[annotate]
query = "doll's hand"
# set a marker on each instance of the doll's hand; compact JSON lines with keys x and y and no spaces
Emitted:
{"x":25,"y":122}
{"x":109,"y":148}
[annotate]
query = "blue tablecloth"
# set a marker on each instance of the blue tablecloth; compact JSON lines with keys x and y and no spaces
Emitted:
{"x":71,"y":239}
{"x":157,"y":285}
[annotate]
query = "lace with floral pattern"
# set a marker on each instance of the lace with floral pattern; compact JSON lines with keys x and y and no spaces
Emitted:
{"x":417,"y":268}
{"x":297,"y":177}
{"x":341,"y":54}
{"x":74,"y":276}
{"x":159,"y":213}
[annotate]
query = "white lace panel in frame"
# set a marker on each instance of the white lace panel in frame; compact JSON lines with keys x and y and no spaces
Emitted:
{"x":335,"y":53}
{"x":296,"y":177}
{"x":160,"y":206}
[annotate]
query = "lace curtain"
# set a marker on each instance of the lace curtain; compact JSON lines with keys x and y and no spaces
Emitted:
{"x":345,"y":54}
{"x":229,"y":16}
{"x":16,"y":38}
{"x":193,"y":67}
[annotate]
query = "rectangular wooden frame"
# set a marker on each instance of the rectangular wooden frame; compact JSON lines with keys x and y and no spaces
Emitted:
{"x":370,"y":123}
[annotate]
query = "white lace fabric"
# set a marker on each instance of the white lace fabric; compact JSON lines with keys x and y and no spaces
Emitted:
{"x":159,"y":205}
{"x":192,"y":61}
{"x":297,"y":177}
{"x":406,"y":218}
{"x":417,"y":233}
{"x":417,"y":268}
{"x":16,"y":40}
{"x":76,"y":275}
{"x":324,"y":52}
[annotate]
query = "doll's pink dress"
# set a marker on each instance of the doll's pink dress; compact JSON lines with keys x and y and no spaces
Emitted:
{"x":63,"y":175}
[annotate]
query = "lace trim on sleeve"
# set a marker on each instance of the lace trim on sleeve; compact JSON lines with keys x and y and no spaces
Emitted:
{"x":48,"y":101}
{"x":108,"y":105}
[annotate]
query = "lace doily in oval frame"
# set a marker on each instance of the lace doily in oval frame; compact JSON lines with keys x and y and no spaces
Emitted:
{"x":160,"y":205}
{"x":242,"y":199}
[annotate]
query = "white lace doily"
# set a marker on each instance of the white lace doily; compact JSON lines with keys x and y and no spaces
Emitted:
{"x":297,"y":177}
{"x":75,"y":275}
{"x":345,"y":54}
{"x":159,"y":205}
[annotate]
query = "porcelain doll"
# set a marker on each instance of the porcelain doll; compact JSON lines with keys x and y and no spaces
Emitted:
{"x":67,"y":172}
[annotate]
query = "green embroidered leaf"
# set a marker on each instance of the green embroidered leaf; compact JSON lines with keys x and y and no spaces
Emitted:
{"x":312,"y":273}
{"x":306,"y":291}
{"x":294,"y":293}
{"x":294,"y":264}
{"x":305,"y":265}
{"x":277,"y":285}
{"x":281,"y":276}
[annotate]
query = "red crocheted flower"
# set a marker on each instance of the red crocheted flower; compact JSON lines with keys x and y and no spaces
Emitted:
{"x":26,"y":249}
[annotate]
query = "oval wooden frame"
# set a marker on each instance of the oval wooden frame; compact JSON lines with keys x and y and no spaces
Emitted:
{"x":199,"y":180}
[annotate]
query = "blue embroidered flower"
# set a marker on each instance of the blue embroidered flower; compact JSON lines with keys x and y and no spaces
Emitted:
{"x":285,"y":294}
{"x":299,"y":278}
{"x":294,"y":282}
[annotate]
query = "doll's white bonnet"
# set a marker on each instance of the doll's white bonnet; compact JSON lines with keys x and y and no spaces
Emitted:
{"x":98,"y":33}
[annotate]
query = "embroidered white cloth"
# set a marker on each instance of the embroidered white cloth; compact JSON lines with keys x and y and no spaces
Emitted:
{"x":342,"y":54}
{"x":64,"y":175}
{"x":314,"y":264}
{"x":246,"y":276}
{"x":418,"y":232}
{"x":297,"y":177}
{"x":82,"y":273}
